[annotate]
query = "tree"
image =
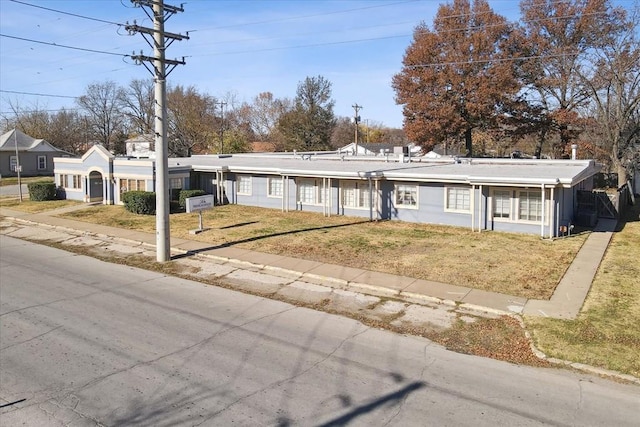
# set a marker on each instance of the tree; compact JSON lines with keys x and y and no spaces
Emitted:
{"x":262,"y":116}
{"x":309,"y":124}
{"x":459,"y":76}
{"x":560,"y":36}
{"x":103,"y":106}
{"x":191,"y":121}
{"x":139,"y":102}
{"x":614,"y":88}
{"x":344,"y":132}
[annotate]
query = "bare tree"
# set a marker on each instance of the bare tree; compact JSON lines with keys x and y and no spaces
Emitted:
{"x":191,"y":118}
{"x":139,"y":103}
{"x":103,"y":106}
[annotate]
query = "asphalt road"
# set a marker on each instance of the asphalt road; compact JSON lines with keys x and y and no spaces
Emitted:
{"x":84,"y":342}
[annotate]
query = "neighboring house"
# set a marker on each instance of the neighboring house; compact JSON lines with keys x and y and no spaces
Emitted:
{"x":35,"y":156}
{"x":141,"y":146}
{"x":371,"y":149}
{"x":524,"y":196}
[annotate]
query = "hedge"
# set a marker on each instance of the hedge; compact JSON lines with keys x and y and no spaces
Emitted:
{"x":185,"y":194}
{"x":42,"y":190}
{"x":140,"y":202}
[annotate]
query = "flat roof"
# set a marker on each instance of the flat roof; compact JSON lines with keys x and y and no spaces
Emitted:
{"x":477,"y":171}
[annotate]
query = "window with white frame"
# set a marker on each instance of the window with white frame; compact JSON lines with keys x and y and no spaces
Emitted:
{"x":132,"y":185}
{"x":502,"y":203}
{"x":77,"y":181}
{"x":13,"y":163}
{"x":309,"y":192}
{"x":274,"y":187}
{"x":243,"y":183}
{"x":63,"y":181}
{"x":458,"y":199}
{"x":42,"y":163}
{"x":406,"y":196}
{"x":530,"y":205}
{"x":354,"y":194}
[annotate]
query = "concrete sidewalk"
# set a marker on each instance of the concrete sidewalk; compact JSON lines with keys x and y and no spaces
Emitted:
{"x":565,"y":303}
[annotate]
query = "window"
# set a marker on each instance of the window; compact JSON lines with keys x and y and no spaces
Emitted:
{"x":244,"y":184}
{"x":77,"y":181}
{"x":502,"y":203}
{"x":63,"y":181}
{"x":132,"y":185}
{"x":274,"y":187}
{"x":354,"y":194}
{"x":309,"y":192}
{"x":406,"y":196}
{"x":175,"y":183}
{"x":530,"y":205}
{"x":458,"y":199}
{"x":13,"y":163}
{"x":42,"y":163}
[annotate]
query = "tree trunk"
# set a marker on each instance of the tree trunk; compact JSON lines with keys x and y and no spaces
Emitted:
{"x":468,"y":142}
{"x":622,"y":175}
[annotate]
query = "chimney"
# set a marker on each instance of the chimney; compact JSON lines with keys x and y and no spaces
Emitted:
{"x":574,"y":151}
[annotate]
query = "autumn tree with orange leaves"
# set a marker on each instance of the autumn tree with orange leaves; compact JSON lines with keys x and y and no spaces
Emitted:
{"x":459,"y":75}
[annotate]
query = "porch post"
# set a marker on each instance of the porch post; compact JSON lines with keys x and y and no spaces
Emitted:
{"x":542,"y":220}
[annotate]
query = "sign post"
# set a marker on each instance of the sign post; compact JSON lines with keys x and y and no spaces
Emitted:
{"x":198,"y":204}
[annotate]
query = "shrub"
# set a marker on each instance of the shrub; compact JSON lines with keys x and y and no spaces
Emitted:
{"x":185,"y":194}
{"x":42,"y":190}
{"x":140,"y":202}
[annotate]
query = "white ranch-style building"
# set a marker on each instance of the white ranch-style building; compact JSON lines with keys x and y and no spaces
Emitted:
{"x":511,"y":195}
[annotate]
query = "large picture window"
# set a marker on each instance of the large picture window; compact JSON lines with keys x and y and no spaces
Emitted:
{"x":274,"y":185}
{"x":406,"y":196}
{"x":244,"y":184}
{"x":530,"y":205}
{"x":354,"y":194}
{"x":309,"y":192}
{"x":458,"y":199}
{"x":502,"y":203}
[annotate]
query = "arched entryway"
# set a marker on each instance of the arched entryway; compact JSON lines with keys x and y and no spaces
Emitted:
{"x":96,"y":187}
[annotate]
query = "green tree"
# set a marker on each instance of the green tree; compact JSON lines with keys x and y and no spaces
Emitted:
{"x":309,"y":124}
{"x":458,"y":76}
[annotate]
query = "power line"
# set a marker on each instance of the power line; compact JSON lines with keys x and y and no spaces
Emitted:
{"x":37,"y":94}
{"x":63,"y":46}
{"x":67,"y":13}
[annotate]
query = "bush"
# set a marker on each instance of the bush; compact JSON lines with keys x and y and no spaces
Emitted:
{"x":42,"y":190}
{"x":140,"y":202}
{"x":185,"y":194}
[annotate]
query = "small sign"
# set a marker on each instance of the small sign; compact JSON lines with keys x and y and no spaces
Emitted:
{"x":200,"y":203}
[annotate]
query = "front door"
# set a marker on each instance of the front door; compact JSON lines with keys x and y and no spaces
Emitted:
{"x":96,"y":188}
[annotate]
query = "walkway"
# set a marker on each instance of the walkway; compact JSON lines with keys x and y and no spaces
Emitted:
{"x":565,"y":303}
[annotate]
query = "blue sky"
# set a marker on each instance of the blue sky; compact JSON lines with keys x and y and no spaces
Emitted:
{"x":240,"y":47}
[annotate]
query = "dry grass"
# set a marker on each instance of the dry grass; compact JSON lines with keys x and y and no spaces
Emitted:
{"x":606,"y":333}
{"x":13,"y":180}
{"x":513,"y":264}
{"x":34,"y":207}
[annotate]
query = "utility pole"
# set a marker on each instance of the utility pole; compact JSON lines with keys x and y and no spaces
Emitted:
{"x":221,"y":104}
{"x":356,"y":119}
{"x":158,"y":12}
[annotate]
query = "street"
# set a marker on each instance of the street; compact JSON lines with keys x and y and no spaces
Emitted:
{"x":83,"y":342}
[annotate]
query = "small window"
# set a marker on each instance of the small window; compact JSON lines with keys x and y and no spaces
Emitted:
{"x":42,"y":163}
{"x":244,"y":184}
{"x":175,"y":183}
{"x":502,"y":203}
{"x":63,"y":181}
{"x":530,"y":205}
{"x":13,"y":163}
{"x":458,"y":199}
{"x":274,"y":187}
{"x":406,"y":196}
